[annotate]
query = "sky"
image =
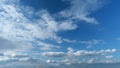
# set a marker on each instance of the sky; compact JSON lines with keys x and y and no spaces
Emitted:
{"x":59,"y":33}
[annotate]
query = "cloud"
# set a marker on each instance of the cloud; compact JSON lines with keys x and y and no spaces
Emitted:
{"x":10,"y":60}
{"x":72,"y":56}
{"x":19,"y":31}
{"x":54,"y":54}
{"x":92,"y":53}
{"x":7,"y":45}
{"x":10,"y":56}
{"x":109,"y":57}
{"x":17,"y":27}
{"x":45,"y":46}
{"x":92,"y":43}
{"x":81,"y":9}
{"x":88,"y":43}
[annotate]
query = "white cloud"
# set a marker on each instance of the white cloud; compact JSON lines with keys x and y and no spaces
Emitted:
{"x":79,"y":56}
{"x":92,"y":43}
{"x":16,"y":25}
{"x":19,"y":31}
{"x":93,"y":60}
{"x":17,"y":28}
{"x":54,"y":54}
{"x":83,"y":53}
{"x":109,"y":57}
{"x":15,"y":46}
{"x":88,"y":43}
{"x":81,"y":9}
{"x":67,"y":25}
{"x":11,"y":56}
{"x":93,"y":53}
{"x":45,"y":46}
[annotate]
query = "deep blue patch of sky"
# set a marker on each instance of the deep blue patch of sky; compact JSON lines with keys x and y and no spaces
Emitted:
{"x":53,"y":6}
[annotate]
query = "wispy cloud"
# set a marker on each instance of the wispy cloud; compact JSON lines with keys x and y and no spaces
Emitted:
{"x":81,"y":9}
{"x":92,"y":43}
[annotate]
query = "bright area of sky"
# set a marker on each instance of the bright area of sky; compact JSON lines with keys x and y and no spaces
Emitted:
{"x":59,"y":33}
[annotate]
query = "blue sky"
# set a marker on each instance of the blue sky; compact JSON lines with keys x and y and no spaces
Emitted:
{"x":59,"y":33}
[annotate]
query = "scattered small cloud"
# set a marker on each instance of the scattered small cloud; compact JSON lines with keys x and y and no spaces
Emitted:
{"x":76,"y":56}
{"x":92,"y":43}
{"x":109,"y":56}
